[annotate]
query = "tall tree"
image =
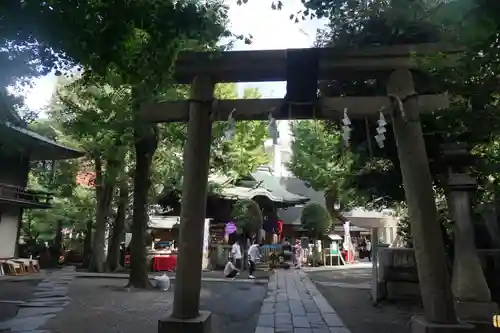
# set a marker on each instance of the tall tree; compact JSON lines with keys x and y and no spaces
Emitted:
{"x":98,"y":117}
{"x":320,"y":158}
{"x":137,"y":41}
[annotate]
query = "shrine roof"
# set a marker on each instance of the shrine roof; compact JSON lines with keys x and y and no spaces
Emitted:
{"x":261,"y":183}
{"x":37,"y":146}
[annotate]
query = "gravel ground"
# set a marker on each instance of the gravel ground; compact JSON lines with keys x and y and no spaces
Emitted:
{"x":355,"y":307}
{"x":103,"y":306}
{"x":14,"y":291}
{"x":351,"y":275}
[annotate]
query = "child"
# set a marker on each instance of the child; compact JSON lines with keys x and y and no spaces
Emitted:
{"x":230,"y":271}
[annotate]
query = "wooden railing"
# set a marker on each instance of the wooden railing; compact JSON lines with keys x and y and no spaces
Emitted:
{"x":21,"y":195}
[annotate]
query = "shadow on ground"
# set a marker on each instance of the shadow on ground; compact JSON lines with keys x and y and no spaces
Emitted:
{"x":12,"y":292}
{"x":355,"y":307}
{"x":102,"y":306}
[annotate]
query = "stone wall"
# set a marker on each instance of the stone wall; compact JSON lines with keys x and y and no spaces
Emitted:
{"x":398,"y":276}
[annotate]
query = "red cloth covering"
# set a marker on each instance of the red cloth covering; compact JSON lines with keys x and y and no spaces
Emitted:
{"x":127,"y":260}
{"x":164,"y":263}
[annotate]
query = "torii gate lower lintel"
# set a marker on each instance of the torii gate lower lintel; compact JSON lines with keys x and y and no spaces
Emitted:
{"x":405,"y":105}
{"x":259,"y":109}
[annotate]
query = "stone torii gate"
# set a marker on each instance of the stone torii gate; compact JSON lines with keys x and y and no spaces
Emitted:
{"x":392,"y":64}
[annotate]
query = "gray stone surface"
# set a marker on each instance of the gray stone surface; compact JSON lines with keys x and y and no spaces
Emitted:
{"x":12,"y":293}
{"x":296,"y":306}
{"x":354,"y":305}
{"x":105,"y":306}
{"x":33,"y":314}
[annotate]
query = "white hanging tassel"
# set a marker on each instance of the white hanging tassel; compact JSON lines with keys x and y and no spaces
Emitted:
{"x":346,"y":128}
{"x":380,"y":137}
{"x":272,"y":128}
{"x":231,"y":127}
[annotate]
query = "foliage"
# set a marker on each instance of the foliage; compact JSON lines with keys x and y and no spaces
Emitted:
{"x":233,"y":158}
{"x":315,"y":219}
{"x":72,"y":204}
{"x":320,"y":159}
{"x":97,"y":116}
{"x":245,"y":151}
{"x":248,"y":216}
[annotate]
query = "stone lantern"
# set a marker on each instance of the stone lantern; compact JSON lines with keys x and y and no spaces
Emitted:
{"x":473,"y":297}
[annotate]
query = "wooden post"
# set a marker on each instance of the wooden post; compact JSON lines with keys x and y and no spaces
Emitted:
{"x":194,"y":200}
{"x":429,"y":248}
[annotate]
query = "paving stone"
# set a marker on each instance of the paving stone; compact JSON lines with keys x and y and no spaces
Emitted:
{"x":311,"y":308}
{"x":25,"y":324}
{"x":281,"y":307}
{"x":322,"y":304}
{"x":284,"y":328}
{"x":44,"y":294}
{"x":50,"y":299}
{"x":316,"y":321}
{"x":339,"y":330}
{"x":266,"y":320}
{"x":281,"y":319}
{"x":321,"y":330}
{"x":302,"y":330}
{"x":295,"y":303}
{"x":301,"y":322}
{"x":267,"y":308}
{"x":270,"y":299}
{"x":298,"y":307}
{"x":298,"y":311}
{"x":260,"y":329}
{"x":33,"y":312}
{"x":332,"y":320}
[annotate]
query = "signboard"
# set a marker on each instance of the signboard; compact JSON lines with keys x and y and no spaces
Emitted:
{"x":334,"y":249}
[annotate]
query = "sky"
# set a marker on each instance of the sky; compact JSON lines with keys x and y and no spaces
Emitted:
{"x":270,"y":29}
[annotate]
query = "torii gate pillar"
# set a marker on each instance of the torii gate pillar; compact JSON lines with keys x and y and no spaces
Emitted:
{"x":186,"y":315}
{"x":437,"y":297}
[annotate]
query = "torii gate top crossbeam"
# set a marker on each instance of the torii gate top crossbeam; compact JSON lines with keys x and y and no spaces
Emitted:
{"x":270,"y":65}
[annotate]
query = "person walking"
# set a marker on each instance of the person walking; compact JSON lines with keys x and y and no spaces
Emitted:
{"x":368,"y":246}
{"x":236,"y":255}
{"x":253,"y":256}
{"x":297,"y":255}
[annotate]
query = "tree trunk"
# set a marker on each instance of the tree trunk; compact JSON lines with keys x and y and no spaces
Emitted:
{"x":331,"y":198}
{"x":87,"y":244}
{"x":146,"y":141}
{"x":104,"y":195}
{"x":118,"y":230}
{"x":56,"y":247}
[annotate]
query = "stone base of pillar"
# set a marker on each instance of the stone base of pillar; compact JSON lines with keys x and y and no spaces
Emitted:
{"x":480,"y":312}
{"x":419,"y":324}
{"x":200,"y":324}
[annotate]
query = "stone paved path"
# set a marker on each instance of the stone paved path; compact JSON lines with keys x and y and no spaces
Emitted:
{"x":293,"y":304}
{"x":48,"y":299}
